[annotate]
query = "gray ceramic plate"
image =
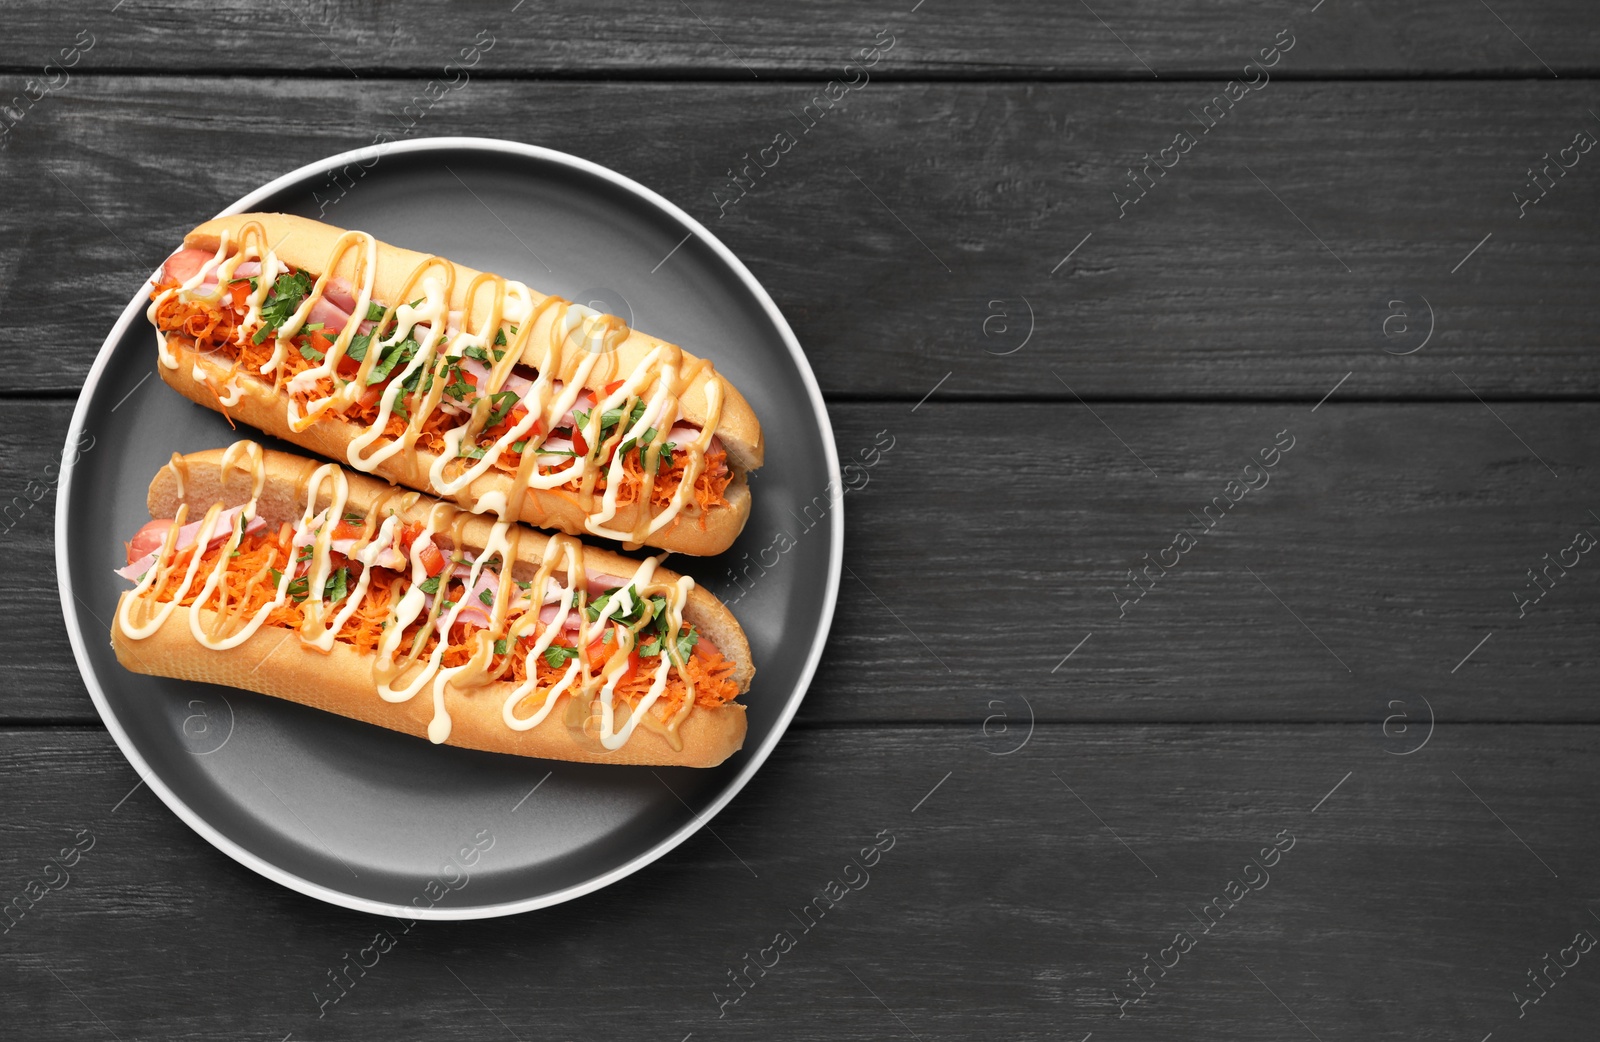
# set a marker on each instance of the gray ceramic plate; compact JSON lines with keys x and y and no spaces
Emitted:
{"x":378,"y":821}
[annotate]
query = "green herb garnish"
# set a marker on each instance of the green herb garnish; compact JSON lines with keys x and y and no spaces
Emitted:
{"x":399,"y":354}
{"x":557,"y":655}
{"x":504,"y":402}
{"x":282,"y":301}
{"x":458,"y":388}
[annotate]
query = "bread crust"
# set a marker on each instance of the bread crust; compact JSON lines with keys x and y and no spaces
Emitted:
{"x":272,"y":663}
{"x":546,"y":508}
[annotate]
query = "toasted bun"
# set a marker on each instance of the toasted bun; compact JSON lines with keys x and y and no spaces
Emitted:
{"x":273,"y":663}
{"x":547,"y":508}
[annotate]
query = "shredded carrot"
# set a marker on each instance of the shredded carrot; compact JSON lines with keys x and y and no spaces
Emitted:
{"x":210,"y":329}
{"x":247,"y":585}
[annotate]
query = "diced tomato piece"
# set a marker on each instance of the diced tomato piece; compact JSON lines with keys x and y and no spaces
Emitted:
{"x":432,"y":559}
{"x":148,"y":539}
{"x":600,"y":652}
{"x":611,"y":388}
{"x":517,"y":413}
{"x":348,"y":530}
{"x":579,"y":445}
{"x":239,"y":292}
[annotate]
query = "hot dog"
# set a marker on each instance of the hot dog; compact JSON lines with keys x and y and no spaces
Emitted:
{"x":267,"y":571}
{"x":463,"y":384}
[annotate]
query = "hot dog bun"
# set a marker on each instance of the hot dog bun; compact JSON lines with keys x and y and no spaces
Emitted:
{"x":273,"y":661}
{"x":306,"y":245}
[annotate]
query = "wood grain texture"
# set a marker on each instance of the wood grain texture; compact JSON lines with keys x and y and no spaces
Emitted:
{"x":1014,"y":898}
{"x":1389,"y":539}
{"x":1354,"y":656}
{"x":727,"y":39}
{"x":1261,"y":266}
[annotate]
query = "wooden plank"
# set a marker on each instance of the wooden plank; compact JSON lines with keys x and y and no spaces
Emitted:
{"x":722,"y":38}
{"x":1017,"y":895}
{"x":1227,"y":281}
{"x":1389,"y":539}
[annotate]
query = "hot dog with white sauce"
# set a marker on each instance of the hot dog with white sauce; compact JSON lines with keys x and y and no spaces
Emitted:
{"x":274,"y":573}
{"x":460,"y":383}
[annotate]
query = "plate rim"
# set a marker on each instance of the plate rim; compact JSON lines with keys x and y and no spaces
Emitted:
{"x":661,"y":847}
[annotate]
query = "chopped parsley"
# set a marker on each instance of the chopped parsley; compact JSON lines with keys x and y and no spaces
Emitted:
{"x":397,"y":354}
{"x":337,"y":586}
{"x":657,"y":627}
{"x":595,"y":608}
{"x":600,"y":607}
{"x":374,"y":311}
{"x":557,"y":655}
{"x":643,"y":441}
{"x":611,"y":417}
{"x":458,"y":388}
{"x":486,"y":596}
{"x":282,"y":301}
{"x":500,"y":647}
{"x":430,"y":585}
{"x":504,"y":402}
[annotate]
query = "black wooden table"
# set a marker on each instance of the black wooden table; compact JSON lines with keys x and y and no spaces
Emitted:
{"x":1216,"y":658}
